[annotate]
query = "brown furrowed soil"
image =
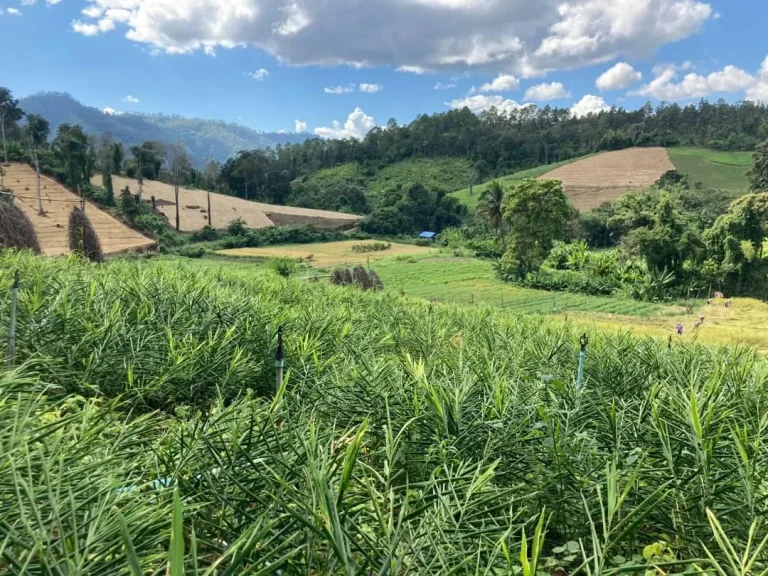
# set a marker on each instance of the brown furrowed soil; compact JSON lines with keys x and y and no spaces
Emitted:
{"x":602,"y":178}
{"x":51,"y":227}
{"x":194,"y":208}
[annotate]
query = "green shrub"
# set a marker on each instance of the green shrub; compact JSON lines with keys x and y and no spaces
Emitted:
{"x":206,"y":234}
{"x":237,"y":227}
{"x":191,"y":252}
{"x":371,"y":247}
{"x":283,"y":266}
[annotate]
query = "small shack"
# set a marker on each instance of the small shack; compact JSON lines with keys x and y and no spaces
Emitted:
{"x":431,"y":236}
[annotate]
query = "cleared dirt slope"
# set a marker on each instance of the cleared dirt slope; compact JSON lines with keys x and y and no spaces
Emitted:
{"x":605,"y":177}
{"x":58,"y":202}
{"x":194,"y":208}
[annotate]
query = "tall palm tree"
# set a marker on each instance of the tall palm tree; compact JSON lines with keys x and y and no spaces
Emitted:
{"x":490,"y":206}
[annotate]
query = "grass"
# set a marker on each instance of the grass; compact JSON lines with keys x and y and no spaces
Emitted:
{"x":330,"y":253}
{"x":713,"y":169}
{"x":471,"y":200}
{"x":468,"y":281}
{"x":143,"y":432}
{"x":440,"y":173}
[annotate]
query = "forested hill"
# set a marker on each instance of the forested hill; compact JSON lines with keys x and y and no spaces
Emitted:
{"x":205,"y":139}
{"x":506,"y":142}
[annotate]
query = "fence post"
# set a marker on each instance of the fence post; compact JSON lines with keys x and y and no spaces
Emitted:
{"x":279,"y":360}
{"x":12,"y":329}
{"x":582,"y":353}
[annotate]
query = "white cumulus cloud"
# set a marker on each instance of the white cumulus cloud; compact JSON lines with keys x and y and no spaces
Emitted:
{"x":416,"y":36}
{"x":301,"y":126}
{"x":759,"y":91}
{"x":86,"y":29}
{"x":481,"y":102}
{"x":441,"y":86}
{"x":502,"y":83}
{"x":111,"y":111}
{"x":131,"y":99}
{"x":371,"y":88}
{"x":260,"y":74}
{"x":339,"y":89}
{"x":358,"y":124}
{"x":620,"y":76}
{"x":13,"y":11}
{"x":546,"y":92}
{"x":589,"y":104}
{"x":665,"y":86}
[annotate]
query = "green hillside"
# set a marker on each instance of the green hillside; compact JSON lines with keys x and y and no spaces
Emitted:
{"x":470,"y":199}
{"x":713,"y":169}
{"x":438,"y":173}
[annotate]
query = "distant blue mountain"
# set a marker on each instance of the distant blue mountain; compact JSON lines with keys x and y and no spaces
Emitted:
{"x":204,"y":139}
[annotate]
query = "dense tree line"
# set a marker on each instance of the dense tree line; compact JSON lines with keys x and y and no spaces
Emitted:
{"x":663,"y":242}
{"x":502,"y":142}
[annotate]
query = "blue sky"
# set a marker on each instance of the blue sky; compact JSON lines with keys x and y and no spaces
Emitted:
{"x":202,"y":57}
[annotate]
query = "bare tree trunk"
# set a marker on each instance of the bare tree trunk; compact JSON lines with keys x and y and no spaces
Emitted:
{"x":246,"y":189}
{"x":209,"y":209}
{"x":39,"y":194}
{"x":33,"y":153}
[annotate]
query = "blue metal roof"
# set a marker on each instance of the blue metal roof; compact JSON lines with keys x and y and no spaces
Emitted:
{"x":428,"y":234}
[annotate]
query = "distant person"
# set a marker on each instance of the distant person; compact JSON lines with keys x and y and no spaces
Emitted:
{"x":679,"y":328}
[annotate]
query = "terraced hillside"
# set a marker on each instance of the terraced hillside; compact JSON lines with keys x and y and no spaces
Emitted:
{"x":194,"y":208}
{"x":604,"y":177}
{"x":58,"y":202}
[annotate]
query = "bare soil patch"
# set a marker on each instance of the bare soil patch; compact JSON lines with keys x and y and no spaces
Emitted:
{"x":602,"y":178}
{"x":51,"y":227}
{"x":194,"y":204}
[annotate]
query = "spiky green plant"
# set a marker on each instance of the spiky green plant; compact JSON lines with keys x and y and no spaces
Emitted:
{"x":143,"y":427}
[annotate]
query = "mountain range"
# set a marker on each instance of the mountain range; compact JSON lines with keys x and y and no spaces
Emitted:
{"x":205,"y":139}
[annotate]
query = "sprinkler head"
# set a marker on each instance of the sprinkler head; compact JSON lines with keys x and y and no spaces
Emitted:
{"x":584,"y":341}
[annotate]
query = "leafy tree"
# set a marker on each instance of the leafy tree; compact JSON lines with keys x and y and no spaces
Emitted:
{"x":758,"y":174}
{"x":75,"y":151}
{"x":669,"y":240}
{"x":386,"y":221}
{"x":118,"y":155}
{"x":746,"y":221}
{"x":37,"y":130}
{"x":538,"y":214}
{"x":491,"y":204}
{"x":9,"y":113}
{"x":246,"y":170}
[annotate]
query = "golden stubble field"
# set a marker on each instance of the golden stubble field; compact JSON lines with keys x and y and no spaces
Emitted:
{"x":193,"y":213}
{"x":51,"y":227}
{"x":331,"y":253}
{"x":602,"y":178}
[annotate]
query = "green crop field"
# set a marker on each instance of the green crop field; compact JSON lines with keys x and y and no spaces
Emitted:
{"x":713,"y":169}
{"x":469,"y":280}
{"x":471,"y":200}
{"x":143,"y":433}
{"x":445,"y":278}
